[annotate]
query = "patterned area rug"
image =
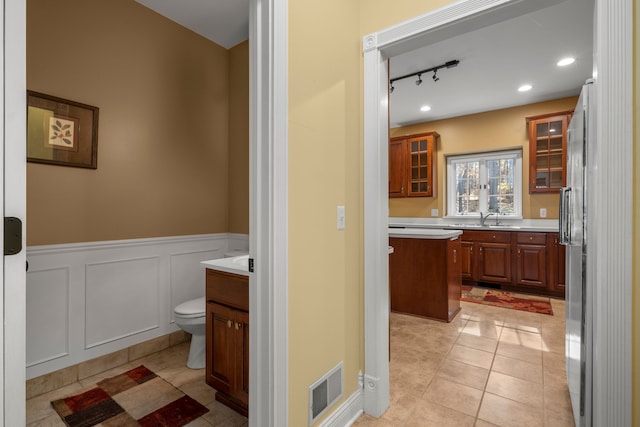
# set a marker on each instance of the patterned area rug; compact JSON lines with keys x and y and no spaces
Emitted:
{"x":136,"y":398}
{"x":531,"y":303}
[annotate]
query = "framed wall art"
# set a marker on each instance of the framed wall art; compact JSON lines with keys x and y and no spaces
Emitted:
{"x":61,"y":132}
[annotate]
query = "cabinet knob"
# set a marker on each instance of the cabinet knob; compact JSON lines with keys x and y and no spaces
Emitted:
{"x":494,"y":236}
{"x":530,"y":238}
{"x":237,"y":326}
{"x":454,"y":256}
{"x":229,"y":323}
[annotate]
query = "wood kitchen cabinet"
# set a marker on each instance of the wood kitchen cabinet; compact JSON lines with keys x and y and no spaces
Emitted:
{"x":548,"y":151}
{"x":557,"y":259}
{"x":412,"y":165}
{"x":227,"y":368}
{"x":424,"y":277}
{"x":531,"y":260}
{"x":486,"y":256}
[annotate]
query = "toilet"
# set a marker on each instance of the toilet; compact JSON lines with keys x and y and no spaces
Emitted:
{"x":191,"y":317}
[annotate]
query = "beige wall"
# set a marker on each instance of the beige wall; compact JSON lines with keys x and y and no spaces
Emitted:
{"x":239,"y":138}
{"x":163,"y":93}
{"x":325,"y":270}
{"x":478,"y":132}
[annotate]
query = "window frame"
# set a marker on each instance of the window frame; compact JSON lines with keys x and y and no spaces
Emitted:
{"x":483,"y":157}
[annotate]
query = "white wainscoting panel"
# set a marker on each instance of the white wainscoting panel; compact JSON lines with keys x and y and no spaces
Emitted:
{"x":85,"y":300}
{"x":48,"y":315}
{"x":121,"y":299}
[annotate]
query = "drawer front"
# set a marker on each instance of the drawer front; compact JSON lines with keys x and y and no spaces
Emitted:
{"x":487,"y":236}
{"x":532,"y":238}
{"x":228,"y":289}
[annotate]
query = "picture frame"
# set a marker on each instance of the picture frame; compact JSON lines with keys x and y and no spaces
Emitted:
{"x":61,"y":132}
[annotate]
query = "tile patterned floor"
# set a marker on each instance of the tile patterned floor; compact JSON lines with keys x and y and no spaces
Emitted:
{"x":168,"y":364}
{"x":491,"y":366}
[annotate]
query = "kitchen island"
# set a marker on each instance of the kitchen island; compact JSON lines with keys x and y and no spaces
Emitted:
{"x":424,"y":272}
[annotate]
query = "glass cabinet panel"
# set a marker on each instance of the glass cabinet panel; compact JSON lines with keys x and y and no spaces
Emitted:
{"x":547,"y":151}
{"x":420,"y":169}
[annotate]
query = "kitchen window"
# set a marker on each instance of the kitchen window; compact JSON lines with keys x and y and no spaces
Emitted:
{"x":489,"y":182}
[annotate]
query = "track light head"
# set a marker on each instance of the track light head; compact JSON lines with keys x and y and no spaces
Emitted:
{"x":391,"y":88}
{"x":435,"y":76}
{"x":419,"y":81}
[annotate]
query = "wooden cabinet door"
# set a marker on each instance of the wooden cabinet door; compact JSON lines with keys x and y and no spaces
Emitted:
{"x":220,"y":347}
{"x":397,"y":169}
{"x":531,"y":265}
{"x":557,"y":270}
{"x":421,"y":157}
{"x":494,"y":262}
{"x":548,"y":151}
{"x":466,"y":260}
{"x":242,"y":357}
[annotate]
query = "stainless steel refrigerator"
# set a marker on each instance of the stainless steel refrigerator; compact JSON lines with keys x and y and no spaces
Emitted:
{"x":574,"y":227}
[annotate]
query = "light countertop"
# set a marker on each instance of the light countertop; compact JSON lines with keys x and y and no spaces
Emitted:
{"x":547,"y":226}
{"x":424,"y":233}
{"x":236,"y":265}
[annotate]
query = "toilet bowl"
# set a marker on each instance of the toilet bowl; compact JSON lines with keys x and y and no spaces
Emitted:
{"x":190,"y":316}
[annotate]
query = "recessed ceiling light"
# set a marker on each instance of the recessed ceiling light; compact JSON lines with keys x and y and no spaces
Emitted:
{"x":524,"y":88}
{"x":566,"y":61}
{"x":425,"y":108}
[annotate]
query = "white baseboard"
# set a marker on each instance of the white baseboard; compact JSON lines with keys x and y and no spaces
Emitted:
{"x":86,"y":300}
{"x":347,"y":413}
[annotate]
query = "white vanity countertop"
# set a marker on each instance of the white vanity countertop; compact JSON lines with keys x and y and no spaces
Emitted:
{"x":236,"y":265}
{"x":424,"y":233}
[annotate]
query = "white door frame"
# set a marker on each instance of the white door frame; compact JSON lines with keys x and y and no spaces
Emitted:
{"x":13,"y":194}
{"x":268,"y":302}
{"x":612,"y":241}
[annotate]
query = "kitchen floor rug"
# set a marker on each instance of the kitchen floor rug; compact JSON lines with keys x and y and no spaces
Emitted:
{"x":137,"y":397}
{"x":512,"y":300}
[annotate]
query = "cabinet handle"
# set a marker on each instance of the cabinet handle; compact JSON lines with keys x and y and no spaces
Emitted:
{"x":454,"y":256}
{"x":237,"y":326}
{"x":530,"y":238}
{"x":229,"y":323}
{"x":494,"y":236}
{"x":518,"y":252}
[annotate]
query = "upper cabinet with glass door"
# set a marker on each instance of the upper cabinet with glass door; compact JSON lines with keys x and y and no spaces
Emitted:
{"x":412,"y":165}
{"x":548,"y":151}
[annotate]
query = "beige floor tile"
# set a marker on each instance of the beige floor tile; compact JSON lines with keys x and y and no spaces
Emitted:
{"x":517,"y":368}
{"x":454,"y":396}
{"x":556,"y":398}
{"x":516,"y":389}
{"x":484,"y":328}
{"x":523,"y":338}
{"x":431,"y":414}
{"x":199,"y":422}
{"x":220,"y":415}
{"x":479,"y":343}
{"x":471,"y":356}
{"x":505,"y":412}
{"x":558,"y":418}
{"x":53,"y":421}
{"x":463,"y":373}
{"x":400,"y":408}
{"x":368,"y":421}
{"x":95,"y":379}
{"x":39,"y":408}
{"x":520,"y":352}
{"x":482,"y":423}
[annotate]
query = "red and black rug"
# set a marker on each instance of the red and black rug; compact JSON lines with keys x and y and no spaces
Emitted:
{"x":514,"y":301}
{"x":135,"y":398}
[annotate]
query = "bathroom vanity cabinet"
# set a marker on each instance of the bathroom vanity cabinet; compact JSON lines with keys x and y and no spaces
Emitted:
{"x":228,"y":338}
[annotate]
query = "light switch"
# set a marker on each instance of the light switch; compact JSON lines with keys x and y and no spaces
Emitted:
{"x":341,"y":217}
{"x":543,"y":212}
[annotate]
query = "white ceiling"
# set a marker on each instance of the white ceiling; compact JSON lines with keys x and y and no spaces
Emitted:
{"x":494,"y":61}
{"x":225,"y":22}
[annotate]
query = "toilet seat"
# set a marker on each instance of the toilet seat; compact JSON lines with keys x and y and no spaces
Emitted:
{"x":191,"y":309}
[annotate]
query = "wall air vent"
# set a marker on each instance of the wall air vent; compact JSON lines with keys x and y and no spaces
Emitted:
{"x":325,"y":392}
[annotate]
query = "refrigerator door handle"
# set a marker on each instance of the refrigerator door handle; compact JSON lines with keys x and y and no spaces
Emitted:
{"x":564,"y":226}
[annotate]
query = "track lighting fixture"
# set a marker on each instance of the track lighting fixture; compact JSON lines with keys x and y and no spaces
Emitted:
{"x":449,"y":64}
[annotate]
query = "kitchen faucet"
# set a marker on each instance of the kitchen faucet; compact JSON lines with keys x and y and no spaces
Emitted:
{"x":483,"y":218}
